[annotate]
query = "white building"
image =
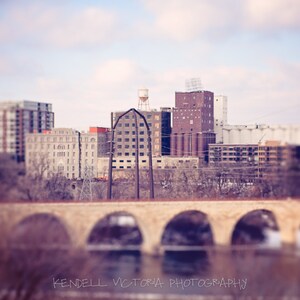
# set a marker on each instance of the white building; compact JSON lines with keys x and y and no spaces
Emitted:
{"x":254,"y":134}
{"x":220,"y":116}
{"x":66,"y":151}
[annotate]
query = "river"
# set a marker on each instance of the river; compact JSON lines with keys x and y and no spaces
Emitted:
{"x":224,"y":273}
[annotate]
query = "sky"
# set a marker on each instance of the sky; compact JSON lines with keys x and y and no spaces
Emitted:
{"x":89,"y":58}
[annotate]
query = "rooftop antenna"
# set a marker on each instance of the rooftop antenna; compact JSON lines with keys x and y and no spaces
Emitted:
{"x":193,"y":85}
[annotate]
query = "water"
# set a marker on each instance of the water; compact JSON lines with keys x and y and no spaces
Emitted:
{"x":181,"y":275}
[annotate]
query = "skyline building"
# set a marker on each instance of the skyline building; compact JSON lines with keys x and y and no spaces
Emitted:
{"x":160,"y":126}
{"x":66,"y":151}
{"x":220,"y":116}
{"x":17,"y":118}
{"x":193,"y":124}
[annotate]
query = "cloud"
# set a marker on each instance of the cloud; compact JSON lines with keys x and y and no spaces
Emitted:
{"x":186,"y":20}
{"x":272,"y":15}
{"x":19,"y":67}
{"x":253,"y":93}
{"x":58,"y":26}
{"x":116,"y":72}
{"x":88,"y":99}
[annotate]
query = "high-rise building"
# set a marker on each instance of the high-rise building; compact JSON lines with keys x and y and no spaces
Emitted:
{"x":19,"y":118}
{"x":160,"y":127}
{"x":66,"y":151}
{"x":220,"y":116}
{"x":193,"y":124}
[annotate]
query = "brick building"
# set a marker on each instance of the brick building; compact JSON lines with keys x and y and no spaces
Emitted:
{"x":193,"y":124}
{"x":125,"y":134}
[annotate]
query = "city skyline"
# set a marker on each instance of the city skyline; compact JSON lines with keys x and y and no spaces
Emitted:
{"x":90,"y":58}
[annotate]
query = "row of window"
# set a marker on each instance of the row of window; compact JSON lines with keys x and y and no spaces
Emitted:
{"x":60,"y":139}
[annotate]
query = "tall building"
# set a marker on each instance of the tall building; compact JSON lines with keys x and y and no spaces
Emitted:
{"x":66,"y":151}
{"x":19,"y":118}
{"x":193,"y":124}
{"x":160,"y":127}
{"x":220,"y":116}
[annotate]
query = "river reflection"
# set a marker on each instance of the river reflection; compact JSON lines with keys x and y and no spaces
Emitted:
{"x":112,"y":264}
{"x":256,"y":272}
{"x":185,"y":263}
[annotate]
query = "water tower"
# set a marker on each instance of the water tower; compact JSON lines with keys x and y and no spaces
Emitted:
{"x":143,"y":99}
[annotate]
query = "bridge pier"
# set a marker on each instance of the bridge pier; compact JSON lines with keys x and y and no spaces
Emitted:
{"x":222,"y":229}
{"x":288,"y":229}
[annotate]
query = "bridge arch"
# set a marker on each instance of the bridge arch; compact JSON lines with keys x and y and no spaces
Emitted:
{"x":116,"y":228}
{"x":256,"y":226}
{"x":39,"y":229}
{"x":188,"y":228}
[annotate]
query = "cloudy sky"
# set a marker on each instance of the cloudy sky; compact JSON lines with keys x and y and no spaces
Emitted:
{"x":89,"y":57}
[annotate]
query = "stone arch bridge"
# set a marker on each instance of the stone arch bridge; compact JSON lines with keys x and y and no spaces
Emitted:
{"x":153,"y":216}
